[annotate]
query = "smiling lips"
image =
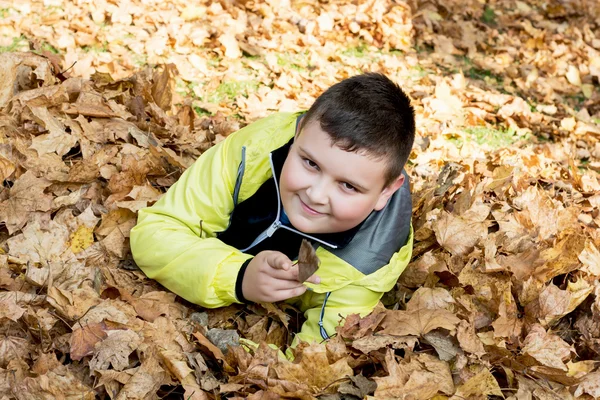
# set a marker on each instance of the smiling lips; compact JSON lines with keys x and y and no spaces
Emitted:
{"x":309,"y":210}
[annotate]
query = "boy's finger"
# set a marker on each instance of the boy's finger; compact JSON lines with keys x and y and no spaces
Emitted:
{"x":279,"y":260}
{"x":289,"y":293}
{"x":314,"y":279}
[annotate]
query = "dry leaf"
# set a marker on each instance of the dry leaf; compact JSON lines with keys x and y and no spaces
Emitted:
{"x":418,"y":322}
{"x":422,"y":377}
{"x":308,"y":262}
{"x":312,"y":370}
{"x":547,"y":348}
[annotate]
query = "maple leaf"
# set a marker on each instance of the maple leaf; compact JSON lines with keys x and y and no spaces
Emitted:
{"x":508,"y":323}
{"x":430,"y":299}
{"x":458,"y":235}
{"x":420,"y":377}
{"x":57,"y":383}
{"x":83,"y":340}
{"x":590,"y":257}
{"x":590,"y":384}
{"x":312,"y":370}
{"x":356,"y":327}
{"x":26,"y":196}
{"x":418,"y":322}
{"x":9,"y":307}
{"x":553,"y":303}
{"x":115,"y":350}
{"x":547,"y":348}
{"x":13,"y":347}
{"x":58,"y":140}
{"x":482,"y":383}
{"x":146,"y":379}
{"x":468,"y":339}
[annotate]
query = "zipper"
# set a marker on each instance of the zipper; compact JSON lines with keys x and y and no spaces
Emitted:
{"x":277,"y":223}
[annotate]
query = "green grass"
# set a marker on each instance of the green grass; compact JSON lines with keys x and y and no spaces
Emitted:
{"x":417,"y":72}
{"x":228,"y":91}
{"x":48,"y":47}
{"x":359,"y":51}
{"x":493,"y":137}
{"x":202,"y":112}
{"x":96,"y":48}
{"x":4,"y":12}
{"x":16,"y":44}
{"x":489,"y":16}
{"x":294,"y":61}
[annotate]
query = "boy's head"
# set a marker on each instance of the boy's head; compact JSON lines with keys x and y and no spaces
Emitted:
{"x":348,"y":155}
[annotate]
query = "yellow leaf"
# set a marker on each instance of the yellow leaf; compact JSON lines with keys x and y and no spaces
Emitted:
{"x":81,"y":239}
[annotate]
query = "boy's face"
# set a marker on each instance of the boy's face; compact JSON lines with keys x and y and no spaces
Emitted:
{"x":325,"y":189}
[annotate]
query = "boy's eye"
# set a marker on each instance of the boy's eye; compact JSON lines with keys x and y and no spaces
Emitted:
{"x":310,"y":163}
{"x":348,"y":186}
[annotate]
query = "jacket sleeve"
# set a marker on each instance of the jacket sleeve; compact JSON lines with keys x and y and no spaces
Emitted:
{"x":174,"y":241}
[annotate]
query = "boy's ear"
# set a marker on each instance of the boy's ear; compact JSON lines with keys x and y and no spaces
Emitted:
{"x":388,"y":191}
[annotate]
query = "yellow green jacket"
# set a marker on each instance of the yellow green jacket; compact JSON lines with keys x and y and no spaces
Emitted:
{"x":196,"y":238}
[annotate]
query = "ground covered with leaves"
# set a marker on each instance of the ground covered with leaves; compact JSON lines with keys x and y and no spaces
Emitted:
{"x":103,"y":104}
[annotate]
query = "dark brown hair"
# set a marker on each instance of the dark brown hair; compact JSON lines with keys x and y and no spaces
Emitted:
{"x":367,"y":112}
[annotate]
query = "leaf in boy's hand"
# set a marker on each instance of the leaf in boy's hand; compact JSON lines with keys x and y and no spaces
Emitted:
{"x":308,"y":262}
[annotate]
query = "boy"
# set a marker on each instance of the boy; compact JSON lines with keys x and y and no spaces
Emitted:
{"x":228,"y":231}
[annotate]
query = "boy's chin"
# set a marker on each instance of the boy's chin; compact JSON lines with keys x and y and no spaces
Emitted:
{"x":306,"y":226}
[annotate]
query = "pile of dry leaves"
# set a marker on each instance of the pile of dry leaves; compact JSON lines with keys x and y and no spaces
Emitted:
{"x":502,"y":297}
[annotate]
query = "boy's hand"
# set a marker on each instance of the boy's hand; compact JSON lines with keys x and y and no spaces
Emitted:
{"x":270,"y":277}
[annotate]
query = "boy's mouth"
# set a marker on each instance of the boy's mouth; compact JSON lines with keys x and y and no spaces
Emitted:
{"x":308,"y":209}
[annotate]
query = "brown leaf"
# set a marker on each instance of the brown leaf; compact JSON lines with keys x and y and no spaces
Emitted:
{"x":26,"y":196}
{"x":146,"y":380}
{"x":83,"y":340}
{"x":308,"y":262}
{"x":430,"y":299}
{"x":115,"y":350}
{"x":468,"y":339}
{"x":312,"y":370}
{"x":547,"y":348}
{"x":458,"y":235}
{"x":356,"y":327}
{"x":590,"y":384}
{"x":10,"y":309}
{"x":12,"y":347}
{"x":419,"y":322}
{"x":366,"y":344}
{"x":150,"y":305}
{"x":420,"y":377}
{"x":162,"y":86}
{"x":58,"y":383}
{"x":481,"y":384}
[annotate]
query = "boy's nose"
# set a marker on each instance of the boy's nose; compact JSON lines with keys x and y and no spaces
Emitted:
{"x":317,"y":194}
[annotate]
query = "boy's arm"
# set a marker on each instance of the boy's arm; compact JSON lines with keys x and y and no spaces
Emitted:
{"x":175,"y":240}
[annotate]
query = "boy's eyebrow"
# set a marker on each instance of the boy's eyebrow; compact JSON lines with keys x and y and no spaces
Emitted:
{"x":356,"y":185}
